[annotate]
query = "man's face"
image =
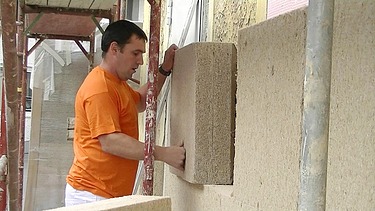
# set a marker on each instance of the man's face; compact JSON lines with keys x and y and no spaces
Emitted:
{"x":130,"y":57}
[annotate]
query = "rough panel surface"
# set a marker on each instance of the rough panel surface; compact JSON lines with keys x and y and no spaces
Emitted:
{"x":126,"y":203}
{"x":202,"y":114}
{"x":351,"y":153}
{"x":271,"y":59}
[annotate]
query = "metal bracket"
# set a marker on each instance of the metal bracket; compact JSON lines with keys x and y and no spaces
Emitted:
{"x":36,"y":19}
{"x":97,"y":24}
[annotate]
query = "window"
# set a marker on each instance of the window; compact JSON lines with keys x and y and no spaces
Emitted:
{"x":28,"y":91}
{"x":134,"y":10}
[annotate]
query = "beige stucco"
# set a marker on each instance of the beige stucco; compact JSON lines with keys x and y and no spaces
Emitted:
{"x":351,"y":158}
{"x":268,"y":129}
{"x":271,"y":59}
{"x":230,"y":16}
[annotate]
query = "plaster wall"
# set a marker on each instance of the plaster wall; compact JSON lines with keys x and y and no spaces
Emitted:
{"x":268,"y":129}
{"x":351,"y":150}
{"x":230,"y":16}
{"x":271,"y":63}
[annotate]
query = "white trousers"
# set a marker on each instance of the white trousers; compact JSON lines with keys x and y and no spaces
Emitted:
{"x":75,"y":197}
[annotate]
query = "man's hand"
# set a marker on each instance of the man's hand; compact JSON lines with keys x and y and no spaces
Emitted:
{"x":167,"y":66}
{"x":173,"y":156}
{"x":169,"y":58}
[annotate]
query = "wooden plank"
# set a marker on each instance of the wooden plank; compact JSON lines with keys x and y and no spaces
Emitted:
{"x":103,"y":4}
{"x":61,"y":24}
{"x":86,"y":4}
{"x":33,"y":162}
{"x":36,"y":2}
{"x":54,"y":54}
{"x":80,"y":4}
{"x":58,"y":3}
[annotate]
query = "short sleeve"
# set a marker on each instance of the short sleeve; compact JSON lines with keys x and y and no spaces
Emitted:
{"x":102,"y":115}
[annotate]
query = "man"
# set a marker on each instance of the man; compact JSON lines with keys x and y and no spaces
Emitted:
{"x":106,"y":149}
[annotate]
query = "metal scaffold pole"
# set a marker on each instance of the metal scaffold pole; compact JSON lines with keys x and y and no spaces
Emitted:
{"x":22,"y":72}
{"x":3,"y":152}
{"x":122,"y":4}
{"x":315,"y":122}
{"x":8,"y":18}
{"x":151,"y":98}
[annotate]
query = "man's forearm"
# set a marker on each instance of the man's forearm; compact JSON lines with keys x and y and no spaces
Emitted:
{"x":161,"y":80}
{"x":127,"y":147}
{"x":122,"y":145}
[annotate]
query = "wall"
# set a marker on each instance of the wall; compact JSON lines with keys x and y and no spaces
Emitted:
{"x":278,"y":7}
{"x":268,"y":124}
{"x":351,"y":160}
{"x":230,"y":16}
{"x":269,"y":95}
{"x":268,"y":106}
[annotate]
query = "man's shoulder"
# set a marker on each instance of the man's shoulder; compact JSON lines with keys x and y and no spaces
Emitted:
{"x":94,"y":83}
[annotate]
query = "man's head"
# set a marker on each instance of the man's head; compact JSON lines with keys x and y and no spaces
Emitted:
{"x":120,"y":32}
{"x":123,"y":46}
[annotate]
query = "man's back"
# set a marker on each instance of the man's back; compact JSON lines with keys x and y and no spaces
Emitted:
{"x":104,"y":105}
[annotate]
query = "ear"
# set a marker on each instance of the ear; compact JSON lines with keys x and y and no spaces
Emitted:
{"x":114,"y":47}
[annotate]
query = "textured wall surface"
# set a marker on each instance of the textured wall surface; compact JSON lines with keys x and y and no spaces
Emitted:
{"x":351,"y":152}
{"x":269,"y":98}
{"x":193,"y":197}
{"x":230,"y":16}
{"x":202,"y":111}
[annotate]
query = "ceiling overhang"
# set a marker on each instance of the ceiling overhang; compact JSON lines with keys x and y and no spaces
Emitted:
{"x":65,"y":19}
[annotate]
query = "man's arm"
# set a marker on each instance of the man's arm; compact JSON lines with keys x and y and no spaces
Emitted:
{"x":122,"y":145}
{"x":167,"y":66}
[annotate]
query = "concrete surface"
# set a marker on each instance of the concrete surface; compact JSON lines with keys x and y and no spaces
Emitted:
{"x":126,"y":203}
{"x":202,"y":111}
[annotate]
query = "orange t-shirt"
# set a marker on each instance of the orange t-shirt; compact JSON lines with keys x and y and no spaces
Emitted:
{"x":103,"y":105}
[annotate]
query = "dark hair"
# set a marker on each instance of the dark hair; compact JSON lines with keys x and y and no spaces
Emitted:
{"x":120,"y":31}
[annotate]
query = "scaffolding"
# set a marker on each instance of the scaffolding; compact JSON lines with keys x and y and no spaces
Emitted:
{"x":30,"y":21}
